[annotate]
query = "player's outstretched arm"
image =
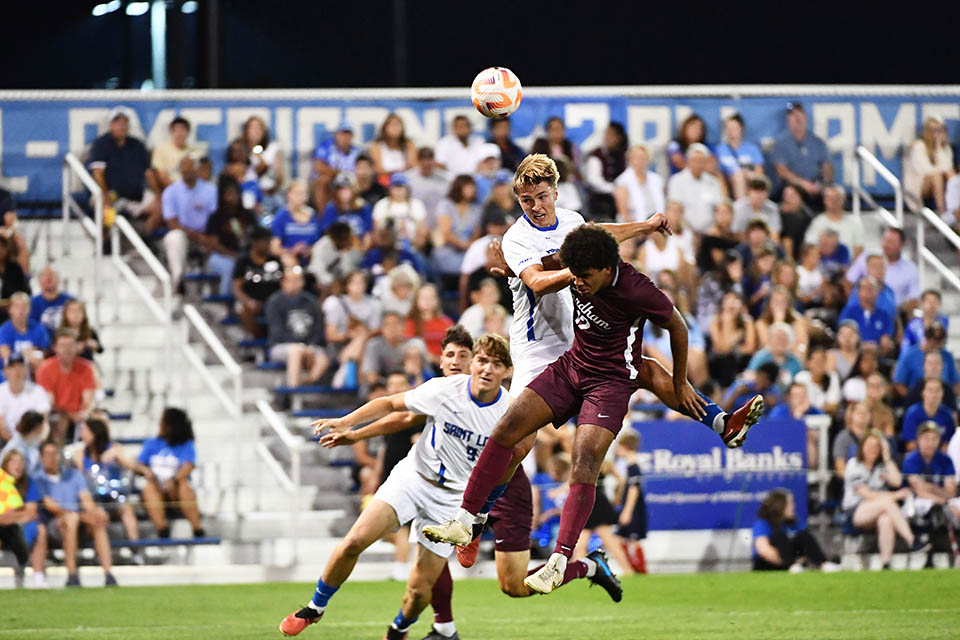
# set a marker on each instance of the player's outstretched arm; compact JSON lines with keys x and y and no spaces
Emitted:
{"x":391,"y":423}
{"x":542,"y":282}
{"x":625,"y":230}
{"x":687,"y":397}
{"x":367,"y":413}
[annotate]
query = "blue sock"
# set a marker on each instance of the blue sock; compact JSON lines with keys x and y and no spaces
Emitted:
{"x":492,"y":498}
{"x":323,"y":594}
{"x":400,"y":623}
{"x":711,"y":411}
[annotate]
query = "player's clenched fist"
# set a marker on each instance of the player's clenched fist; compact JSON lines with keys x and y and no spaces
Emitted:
{"x":334,"y":424}
{"x":658,"y":222}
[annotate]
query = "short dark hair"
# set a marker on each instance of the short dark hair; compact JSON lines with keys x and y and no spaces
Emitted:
{"x":425,"y":152}
{"x":459,"y":336}
{"x":758,"y":223}
{"x":932,"y":292}
{"x":759,"y":183}
{"x":30,"y":422}
{"x":589,"y":247}
{"x":260,"y":233}
{"x":774,"y":506}
{"x":899,"y":232}
{"x":180,"y":120}
{"x":769,"y":369}
{"x":738,"y":119}
{"x":177,"y":428}
{"x":364,"y":157}
{"x":65,"y":332}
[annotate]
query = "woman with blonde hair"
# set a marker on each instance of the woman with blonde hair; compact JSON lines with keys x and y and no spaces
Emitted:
{"x":928,"y":164}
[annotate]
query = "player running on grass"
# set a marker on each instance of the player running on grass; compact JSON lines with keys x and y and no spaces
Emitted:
{"x":594,"y":380}
{"x":511,"y":518}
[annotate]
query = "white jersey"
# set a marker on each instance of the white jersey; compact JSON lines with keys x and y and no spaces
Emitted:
{"x":458,"y":426}
{"x":549,"y":316}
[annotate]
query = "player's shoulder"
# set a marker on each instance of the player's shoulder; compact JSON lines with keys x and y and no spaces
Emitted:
{"x":569,"y":217}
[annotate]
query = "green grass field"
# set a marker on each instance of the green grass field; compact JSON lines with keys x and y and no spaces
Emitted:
{"x":904,"y":604}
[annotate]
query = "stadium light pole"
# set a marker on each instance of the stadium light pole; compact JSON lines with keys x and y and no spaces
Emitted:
{"x":158,"y":42}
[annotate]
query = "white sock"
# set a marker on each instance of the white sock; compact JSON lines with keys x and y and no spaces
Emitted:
{"x":591,"y":566}
{"x":316,"y":607}
{"x":481,"y":518}
{"x":445,"y":628}
{"x":466,"y":518}
{"x":718,"y":422}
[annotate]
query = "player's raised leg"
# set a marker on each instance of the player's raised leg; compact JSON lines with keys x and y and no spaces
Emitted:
{"x":424,"y":574}
{"x":732,"y":427}
{"x":377,"y":520}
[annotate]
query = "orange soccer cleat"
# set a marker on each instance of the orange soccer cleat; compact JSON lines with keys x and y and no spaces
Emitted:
{"x":467,"y":554}
{"x":298,"y":621}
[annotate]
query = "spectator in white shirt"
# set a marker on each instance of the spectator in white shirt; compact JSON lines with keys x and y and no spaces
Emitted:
{"x":848,"y":227}
{"x":495,"y":225}
{"x":486,"y":299}
{"x":928,"y":164}
{"x":409,"y":215}
{"x":266,"y":161}
{"x":698,"y":190}
{"x":19,"y":395}
{"x":458,"y":152}
{"x":638,"y":191}
{"x":601,"y":169}
{"x":392,"y":151}
{"x":757,"y":204}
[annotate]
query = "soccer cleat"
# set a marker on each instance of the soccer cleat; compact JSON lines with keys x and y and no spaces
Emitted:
{"x":298,"y":621}
{"x":604,"y":576}
{"x":467,"y":554}
{"x":550,"y":575}
{"x":73,"y":580}
{"x":436,"y":635}
{"x":739,"y":422}
{"x":395,"y":634}
{"x":451,"y":531}
{"x":109,"y":580}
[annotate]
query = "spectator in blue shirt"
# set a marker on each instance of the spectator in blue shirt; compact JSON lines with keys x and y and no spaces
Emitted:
{"x":929,"y":409}
{"x":886,"y":301}
{"x":296,"y":227}
{"x":876,"y":325}
{"x":799,"y":157}
{"x":932,"y":368}
{"x":739,"y":159}
{"x":47,"y":306}
{"x":187,"y":205}
{"x":20,"y":335}
{"x":332,"y":156}
{"x":781,"y":340}
{"x":931,"y":474}
{"x":347,"y":206}
{"x":166,"y":461}
{"x":779,"y":542}
{"x":764,"y":382}
{"x":909,"y":369}
{"x":67,"y":504}
{"x":834,"y":257}
{"x":930,"y":305}
{"x":797,"y":405}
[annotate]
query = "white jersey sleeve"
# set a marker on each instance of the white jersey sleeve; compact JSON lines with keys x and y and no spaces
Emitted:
{"x":426,"y":398}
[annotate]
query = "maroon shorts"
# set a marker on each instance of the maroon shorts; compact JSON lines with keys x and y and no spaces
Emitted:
{"x":512,"y":515}
{"x":571,"y":392}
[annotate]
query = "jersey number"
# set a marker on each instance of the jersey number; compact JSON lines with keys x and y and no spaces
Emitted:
{"x":472,"y":453}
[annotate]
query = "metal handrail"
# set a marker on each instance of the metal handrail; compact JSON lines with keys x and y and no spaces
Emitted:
{"x":235,"y":370}
{"x":73,"y":167}
{"x":293,"y":443}
{"x":925,"y":255}
{"x":887,"y":175}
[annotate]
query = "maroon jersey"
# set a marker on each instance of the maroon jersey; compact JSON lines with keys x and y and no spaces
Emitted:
{"x":608,"y":328}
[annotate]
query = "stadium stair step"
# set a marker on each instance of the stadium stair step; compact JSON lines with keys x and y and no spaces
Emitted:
{"x":218,"y":299}
{"x":320,"y":413}
{"x":314,"y":388}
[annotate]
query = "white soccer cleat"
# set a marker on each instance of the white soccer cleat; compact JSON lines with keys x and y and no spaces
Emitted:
{"x":550,"y":575}
{"x":451,"y":531}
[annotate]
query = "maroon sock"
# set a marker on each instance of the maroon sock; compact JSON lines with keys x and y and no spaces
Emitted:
{"x":442,"y":596}
{"x":493,"y":463}
{"x":575,"y":569}
{"x":576,"y":511}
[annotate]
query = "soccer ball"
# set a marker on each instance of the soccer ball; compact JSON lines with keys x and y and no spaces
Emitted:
{"x":496,"y":92}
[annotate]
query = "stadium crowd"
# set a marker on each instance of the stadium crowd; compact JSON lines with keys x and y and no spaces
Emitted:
{"x":355,"y":272}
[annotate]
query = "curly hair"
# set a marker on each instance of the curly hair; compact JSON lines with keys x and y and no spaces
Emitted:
{"x":589,"y":247}
{"x":459,"y":336}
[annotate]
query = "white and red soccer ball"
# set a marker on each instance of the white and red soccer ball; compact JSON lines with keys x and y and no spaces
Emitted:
{"x":496,"y":92}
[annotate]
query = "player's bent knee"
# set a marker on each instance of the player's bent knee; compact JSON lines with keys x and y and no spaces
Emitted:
{"x":353,"y":545}
{"x":514,"y":587}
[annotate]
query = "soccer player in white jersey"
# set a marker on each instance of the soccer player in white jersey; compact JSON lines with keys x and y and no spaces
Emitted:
{"x":426,"y":486}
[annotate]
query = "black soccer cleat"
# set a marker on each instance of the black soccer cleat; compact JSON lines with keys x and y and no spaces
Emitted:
{"x":604,"y":576}
{"x":394,"y":634}
{"x":436,"y":635}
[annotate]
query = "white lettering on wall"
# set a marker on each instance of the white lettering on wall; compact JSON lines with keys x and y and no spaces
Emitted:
{"x":577,"y":113}
{"x":307,"y":120}
{"x":876,"y":137}
{"x":638,"y":117}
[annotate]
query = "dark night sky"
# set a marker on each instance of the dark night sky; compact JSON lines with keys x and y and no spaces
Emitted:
{"x":350,"y":44}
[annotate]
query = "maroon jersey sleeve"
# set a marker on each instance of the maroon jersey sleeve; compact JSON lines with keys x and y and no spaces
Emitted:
{"x":647,"y":299}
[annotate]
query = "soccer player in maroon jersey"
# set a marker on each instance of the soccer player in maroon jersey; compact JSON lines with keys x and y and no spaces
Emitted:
{"x":594,"y":380}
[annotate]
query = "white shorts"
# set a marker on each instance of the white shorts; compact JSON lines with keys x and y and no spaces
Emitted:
{"x":531,"y":358}
{"x":420,"y":503}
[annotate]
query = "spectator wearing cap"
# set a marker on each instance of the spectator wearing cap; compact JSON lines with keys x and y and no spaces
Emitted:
{"x":20,"y":335}
{"x":738,"y":159}
{"x":930,"y":473}
{"x":227,"y":231}
{"x":795,"y":217}
{"x":295,"y":330}
{"x":487,"y":169}
{"x":266,"y":160}
{"x":556,"y":144}
{"x":168,"y":154}
{"x":601,"y":169}
{"x":333,"y":155}
{"x":931,"y":302}
{"x":876,"y":324}
{"x":799,"y":157}
{"x":910,"y":368}
{"x":404,"y":213}
{"x":510,"y":152}
{"x":296,"y":227}
{"x":848,"y":226}
{"x":458,"y":152}
{"x":458,"y":224}
{"x":929,"y":409}
{"x":188,"y":204}
{"x":120,"y":164}
{"x":502,"y":203}
{"x":756,"y":204}
{"x":638,"y":191}
{"x":693,"y":130}
{"x":335,"y":256}
{"x":256,"y":277}
{"x":365,"y":181}
{"x":899,"y":273}
{"x":428,"y":183}
{"x":778,"y":351}
{"x":717,"y":239}
{"x":349,"y":207}
{"x":698,"y":190}
{"x":928,"y":165}
{"x":392,"y":151}
{"x":70,"y":382}
{"x":19,"y":395}
{"x":47,"y":306}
